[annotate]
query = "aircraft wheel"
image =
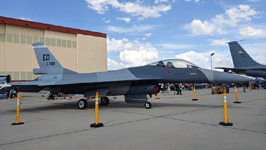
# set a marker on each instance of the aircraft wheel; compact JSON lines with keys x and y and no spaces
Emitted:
{"x":105,"y":101}
{"x":147,"y":105}
{"x":82,"y":103}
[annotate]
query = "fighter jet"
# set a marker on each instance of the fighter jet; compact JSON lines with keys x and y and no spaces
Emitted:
{"x":243,"y":63}
{"x":134,"y":83}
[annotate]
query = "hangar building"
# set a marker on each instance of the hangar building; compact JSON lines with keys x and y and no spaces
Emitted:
{"x":78,"y":50}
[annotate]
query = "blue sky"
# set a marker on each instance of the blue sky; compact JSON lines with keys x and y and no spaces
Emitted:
{"x":140,"y":32}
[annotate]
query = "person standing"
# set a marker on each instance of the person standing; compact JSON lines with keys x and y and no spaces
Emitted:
{"x":176,"y":89}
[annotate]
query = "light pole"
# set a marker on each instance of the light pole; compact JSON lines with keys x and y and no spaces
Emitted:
{"x":211,"y":59}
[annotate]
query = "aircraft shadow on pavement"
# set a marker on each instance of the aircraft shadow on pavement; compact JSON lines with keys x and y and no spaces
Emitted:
{"x":72,"y":105}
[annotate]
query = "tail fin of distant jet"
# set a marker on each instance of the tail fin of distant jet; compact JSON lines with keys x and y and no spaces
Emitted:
{"x":240,"y":57}
{"x":47,"y":62}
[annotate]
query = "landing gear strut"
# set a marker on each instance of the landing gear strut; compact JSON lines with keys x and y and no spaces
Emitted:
{"x":51,"y":96}
{"x":82,"y":103}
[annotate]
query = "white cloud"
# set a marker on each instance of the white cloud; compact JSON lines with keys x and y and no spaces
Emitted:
{"x":133,"y":29}
{"x":203,"y":60}
{"x":253,"y":0}
{"x":199,"y":28}
{"x":124,"y":19}
{"x":113,"y":65}
{"x":148,"y":34}
{"x":260,"y":59}
{"x":159,"y":1}
{"x":231,"y":18}
{"x":175,"y":46}
{"x":118,"y":45}
{"x":250,"y":32}
{"x":222,"y":42}
{"x":140,"y":55}
{"x":107,"y":21}
{"x":28,"y":19}
{"x":143,"y":38}
{"x":196,"y":1}
{"x":135,"y":9}
{"x":254,"y":48}
{"x":234,"y":15}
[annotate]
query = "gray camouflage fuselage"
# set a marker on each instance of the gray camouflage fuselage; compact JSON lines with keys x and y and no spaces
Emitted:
{"x":133,"y":82}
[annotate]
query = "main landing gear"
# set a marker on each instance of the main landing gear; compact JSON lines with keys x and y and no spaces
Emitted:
{"x":82,"y":103}
{"x":105,"y":101}
{"x":51,"y":96}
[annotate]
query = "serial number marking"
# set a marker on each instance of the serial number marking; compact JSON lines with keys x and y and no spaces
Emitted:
{"x":50,"y":63}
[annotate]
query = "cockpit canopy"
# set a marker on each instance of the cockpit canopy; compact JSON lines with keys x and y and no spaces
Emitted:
{"x":174,"y":63}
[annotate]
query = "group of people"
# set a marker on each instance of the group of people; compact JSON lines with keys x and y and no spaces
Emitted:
{"x":166,"y":88}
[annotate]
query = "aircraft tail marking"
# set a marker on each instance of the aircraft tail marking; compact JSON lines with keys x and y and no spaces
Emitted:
{"x":47,"y":62}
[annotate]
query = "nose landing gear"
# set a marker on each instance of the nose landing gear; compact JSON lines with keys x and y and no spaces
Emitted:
{"x":147,"y":105}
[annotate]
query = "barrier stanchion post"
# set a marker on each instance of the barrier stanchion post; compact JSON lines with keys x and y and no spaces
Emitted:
{"x":225,"y":123}
{"x":250,"y":86}
{"x":236,"y":96}
{"x":96,"y":124}
{"x":18,"y":107}
{"x":69,"y":96}
{"x":157,"y":96}
{"x":194,"y":99}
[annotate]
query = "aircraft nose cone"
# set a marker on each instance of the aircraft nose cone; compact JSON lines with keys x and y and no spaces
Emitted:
{"x":224,"y":77}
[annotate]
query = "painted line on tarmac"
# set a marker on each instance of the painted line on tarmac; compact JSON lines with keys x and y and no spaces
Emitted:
{"x":253,"y":96}
{"x":7,"y":100}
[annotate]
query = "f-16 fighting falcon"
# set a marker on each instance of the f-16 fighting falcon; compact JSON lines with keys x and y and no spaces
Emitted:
{"x":134,"y":83}
{"x":243,"y":63}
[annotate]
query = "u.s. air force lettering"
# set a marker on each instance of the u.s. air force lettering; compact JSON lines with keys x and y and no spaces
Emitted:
{"x":46,"y":57}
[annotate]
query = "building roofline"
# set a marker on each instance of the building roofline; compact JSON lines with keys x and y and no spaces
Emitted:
{"x":49,"y":27}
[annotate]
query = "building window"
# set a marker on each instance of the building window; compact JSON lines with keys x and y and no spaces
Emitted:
{"x":53,"y":42}
{"x":23,"y":39}
{"x":68,"y":43}
{"x":9,"y":37}
{"x":35,"y":39}
{"x":16,"y":75}
{"x":16,"y":38}
{"x":47,"y":41}
{"x":63,"y":43}
{"x":2,"y":37}
{"x":23,"y":75}
{"x":29,"y":40}
{"x":58,"y":43}
{"x":29,"y":75}
{"x":41,"y":40}
{"x":74,"y":43}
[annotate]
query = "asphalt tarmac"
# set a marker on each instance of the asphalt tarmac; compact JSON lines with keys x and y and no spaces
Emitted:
{"x":173,"y":122}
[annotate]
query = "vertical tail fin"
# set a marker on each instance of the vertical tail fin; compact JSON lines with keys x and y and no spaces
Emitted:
{"x":47,"y":62}
{"x":240,"y":57}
